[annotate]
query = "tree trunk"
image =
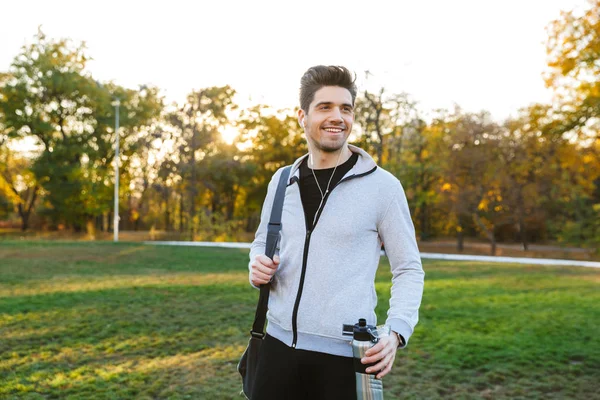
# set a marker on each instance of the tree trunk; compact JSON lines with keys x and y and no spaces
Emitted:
{"x":167,"y":214}
{"x":181,"y":213}
{"x":460,"y":246}
{"x":522,"y":233}
{"x":378,"y":107}
{"x":230,"y":210}
{"x":24,"y":218}
{"x":25,"y":212}
{"x":520,"y":212}
{"x":488,"y":232}
{"x":214,"y":206}
{"x":105,"y":222}
{"x":423,"y":218}
{"x":192,"y":211}
{"x":231,"y":205}
{"x":193,"y":188}
{"x":90,"y":228}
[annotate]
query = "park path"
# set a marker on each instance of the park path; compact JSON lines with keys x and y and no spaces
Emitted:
{"x":433,"y":256}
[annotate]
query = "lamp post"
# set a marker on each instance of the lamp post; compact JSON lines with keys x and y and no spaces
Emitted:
{"x":116,"y":103}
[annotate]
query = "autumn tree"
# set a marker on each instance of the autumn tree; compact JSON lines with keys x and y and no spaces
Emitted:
{"x":420,"y":165}
{"x":470,"y":182}
{"x":573,"y":49}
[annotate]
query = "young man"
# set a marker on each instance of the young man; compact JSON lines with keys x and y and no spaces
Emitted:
{"x":339,"y":208}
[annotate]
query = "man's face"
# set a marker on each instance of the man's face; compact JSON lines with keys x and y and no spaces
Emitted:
{"x":329,"y":119}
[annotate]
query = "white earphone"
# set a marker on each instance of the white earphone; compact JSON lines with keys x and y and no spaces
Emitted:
{"x":302,"y":123}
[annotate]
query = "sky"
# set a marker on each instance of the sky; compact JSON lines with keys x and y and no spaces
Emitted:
{"x":480,"y":54}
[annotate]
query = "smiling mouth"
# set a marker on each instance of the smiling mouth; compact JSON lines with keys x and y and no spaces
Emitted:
{"x":333,"y":130}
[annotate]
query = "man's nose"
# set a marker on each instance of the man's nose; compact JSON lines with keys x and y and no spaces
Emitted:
{"x":337,"y":115}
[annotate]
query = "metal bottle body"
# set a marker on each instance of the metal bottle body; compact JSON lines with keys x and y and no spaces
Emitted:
{"x":368,"y":387}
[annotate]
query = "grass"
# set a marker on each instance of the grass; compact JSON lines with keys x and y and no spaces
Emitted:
{"x":81,"y":320}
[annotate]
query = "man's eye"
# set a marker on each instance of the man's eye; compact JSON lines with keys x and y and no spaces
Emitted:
{"x":324,"y":107}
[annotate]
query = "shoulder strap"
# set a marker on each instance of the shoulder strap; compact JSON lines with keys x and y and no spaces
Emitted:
{"x":273,"y":229}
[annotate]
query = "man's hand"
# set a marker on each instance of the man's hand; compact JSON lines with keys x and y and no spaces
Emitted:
{"x":263,"y":269}
{"x":384,"y":352}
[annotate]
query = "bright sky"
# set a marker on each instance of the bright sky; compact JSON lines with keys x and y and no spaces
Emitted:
{"x":481,"y":54}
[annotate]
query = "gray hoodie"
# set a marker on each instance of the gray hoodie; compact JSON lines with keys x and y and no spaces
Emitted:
{"x":325,"y":278}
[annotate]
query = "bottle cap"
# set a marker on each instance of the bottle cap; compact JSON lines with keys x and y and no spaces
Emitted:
{"x":362,"y":331}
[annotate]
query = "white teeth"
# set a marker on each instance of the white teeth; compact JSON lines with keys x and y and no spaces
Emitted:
{"x":333,"y":130}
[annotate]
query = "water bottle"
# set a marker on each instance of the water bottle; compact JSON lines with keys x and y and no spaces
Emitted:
{"x":363,"y":338}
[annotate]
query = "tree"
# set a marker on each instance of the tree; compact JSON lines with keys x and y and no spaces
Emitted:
{"x":382,"y":119}
{"x":196,"y":125}
{"x":144,"y":170}
{"x":470,"y":174}
{"x":18,"y":184}
{"x":521,"y":153}
{"x":50,"y":96}
{"x":419,"y":165}
{"x":573,"y":49}
{"x":225,"y":173}
{"x":272,"y":139}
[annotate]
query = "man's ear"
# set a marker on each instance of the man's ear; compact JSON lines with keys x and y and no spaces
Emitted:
{"x":301,"y":119}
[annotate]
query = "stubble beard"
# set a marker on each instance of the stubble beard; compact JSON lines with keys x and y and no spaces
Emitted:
{"x":332,"y":147}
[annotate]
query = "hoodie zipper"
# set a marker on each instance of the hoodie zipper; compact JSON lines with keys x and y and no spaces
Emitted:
{"x":305,"y":254}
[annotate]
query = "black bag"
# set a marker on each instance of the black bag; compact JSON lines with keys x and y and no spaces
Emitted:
{"x":249,"y":361}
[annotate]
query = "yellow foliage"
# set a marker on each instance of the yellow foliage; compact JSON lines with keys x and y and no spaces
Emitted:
{"x":221,"y":238}
{"x":483,"y":204}
{"x":588,"y":158}
{"x":6,"y":189}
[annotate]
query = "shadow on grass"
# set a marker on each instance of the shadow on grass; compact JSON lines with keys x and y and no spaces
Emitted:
{"x":134,"y":335}
{"x":198,"y":374}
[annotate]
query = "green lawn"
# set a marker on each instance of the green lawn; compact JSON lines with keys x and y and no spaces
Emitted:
{"x":85,"y":320}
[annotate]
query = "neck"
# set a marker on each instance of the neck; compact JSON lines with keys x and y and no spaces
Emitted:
{"x":324,"y":160}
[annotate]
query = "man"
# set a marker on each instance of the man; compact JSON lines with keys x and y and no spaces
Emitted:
{"x":339,"y":208}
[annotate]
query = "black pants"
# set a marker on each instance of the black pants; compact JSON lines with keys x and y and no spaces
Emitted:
{"x":285,"y":373}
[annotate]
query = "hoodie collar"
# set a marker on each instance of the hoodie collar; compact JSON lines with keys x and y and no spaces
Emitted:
{"x":364,"y":164}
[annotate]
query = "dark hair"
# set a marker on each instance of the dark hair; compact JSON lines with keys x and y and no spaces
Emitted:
{"x":316,"y":77}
